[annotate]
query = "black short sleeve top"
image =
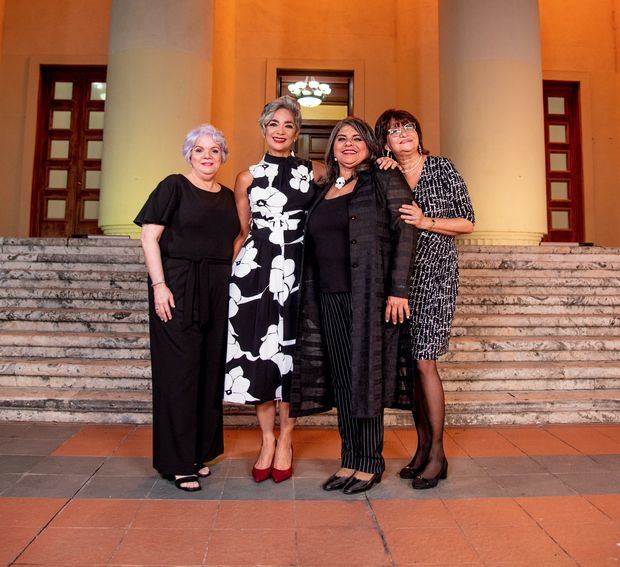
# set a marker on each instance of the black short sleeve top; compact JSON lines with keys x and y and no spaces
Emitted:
{"x":199,"y":223}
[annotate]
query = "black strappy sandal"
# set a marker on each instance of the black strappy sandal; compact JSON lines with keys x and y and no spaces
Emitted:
{"x":202,"y":475}
{"x":179,"y":482}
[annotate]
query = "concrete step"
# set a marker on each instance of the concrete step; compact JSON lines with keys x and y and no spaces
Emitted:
{"x":82,"y":293}
{"x":74,"y":315}
{"x":47,"y":274}
{"x":79,"y":265}
{"x":473,"y":289}
{"x":474,"y":322}
{"x":487,"y":408}
{"x":76,"y":304}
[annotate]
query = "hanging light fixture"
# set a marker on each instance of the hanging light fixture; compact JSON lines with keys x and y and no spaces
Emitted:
{"x":309,"y":92}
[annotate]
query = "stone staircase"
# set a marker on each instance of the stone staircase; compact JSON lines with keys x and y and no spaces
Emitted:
{"x":536,"y":335}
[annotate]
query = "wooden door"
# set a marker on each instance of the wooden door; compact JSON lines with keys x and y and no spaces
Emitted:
{"x":563,"y":162}
{"x":69,"y":143}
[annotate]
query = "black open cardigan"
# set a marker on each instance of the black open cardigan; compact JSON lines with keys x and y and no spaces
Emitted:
{"x":382,"y":249}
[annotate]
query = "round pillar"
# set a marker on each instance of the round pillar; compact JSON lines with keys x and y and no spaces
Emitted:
{"x":492,"y":114}
{"x":159,"y":87}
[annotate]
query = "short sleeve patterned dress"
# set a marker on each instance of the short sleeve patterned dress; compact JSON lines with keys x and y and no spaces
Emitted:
{"x":440,"y":193}
{"x":264,"y":286}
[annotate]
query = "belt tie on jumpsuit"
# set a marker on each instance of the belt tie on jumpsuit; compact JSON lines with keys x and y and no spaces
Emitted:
{"x":195,"y":306}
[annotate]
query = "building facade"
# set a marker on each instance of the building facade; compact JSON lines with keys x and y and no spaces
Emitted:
{"x":523,"y":95}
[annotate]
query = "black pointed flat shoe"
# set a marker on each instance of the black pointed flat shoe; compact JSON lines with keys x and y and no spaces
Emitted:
{"x":421,"y":483}
{"x":356,"y":485}
{"x":336,"y":482}
{"x":179,"y":482}
{"x":409,"y":471}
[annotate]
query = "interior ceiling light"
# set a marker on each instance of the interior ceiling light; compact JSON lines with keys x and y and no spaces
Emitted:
{"x":309,"y":92}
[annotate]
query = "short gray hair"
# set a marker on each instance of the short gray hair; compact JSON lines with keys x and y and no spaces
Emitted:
{"x":287,"y":102}
{"x":204,"y":130}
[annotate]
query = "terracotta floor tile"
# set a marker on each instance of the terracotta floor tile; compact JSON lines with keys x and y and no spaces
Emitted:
{"x":28,"y":512}
{"x":611,"y":430}
{"x":484,"y":442}
{"x":251,"y":547}
{"x":588,"y":544}
{"x":316,"y":435}
{"x":488,"y":511}
{"x":608,"y":503}
{"x":239,"y":514}
{"x":523,"y":542}
{"x":587,"y":440}
{"x":175,"y":513}
{"x":393,"y":514}
{"x":162,"y":547}
{"x":434,"y":545}
{"x":536,"y":441}
{"x":13,"y":541}
{"x":310,"y":514}
{"x":139,"y":443}
{"x":72,"y":546}
{"x":562,"y":509}
{"x":97,"y":513}
{"x":393,"y":447}
{"x":343,"y":546}
{"x":317,"y":450}
{"x":94,"y":440}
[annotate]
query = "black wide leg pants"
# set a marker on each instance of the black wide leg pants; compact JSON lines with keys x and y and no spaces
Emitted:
{"x":187,"y":355}
{"x":362,"y":438}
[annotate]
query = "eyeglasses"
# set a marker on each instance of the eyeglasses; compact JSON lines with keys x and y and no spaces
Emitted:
{"x":409,"y":127}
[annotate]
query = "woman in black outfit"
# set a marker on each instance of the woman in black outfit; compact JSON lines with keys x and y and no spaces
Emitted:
{"x":188,"y":225}
{"x":354,"y":294}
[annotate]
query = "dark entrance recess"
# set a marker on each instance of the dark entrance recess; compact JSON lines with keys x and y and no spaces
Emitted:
{"x":319,"y":121}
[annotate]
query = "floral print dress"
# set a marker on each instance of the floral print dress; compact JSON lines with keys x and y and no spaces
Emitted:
{"x":264,"y":286}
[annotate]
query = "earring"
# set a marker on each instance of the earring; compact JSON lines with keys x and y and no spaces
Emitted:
{"x":388,"y":153}
{"x":420,"y":149}
{"x":335,"y":159}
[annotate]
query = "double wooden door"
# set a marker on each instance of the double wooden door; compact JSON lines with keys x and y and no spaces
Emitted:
{"x":69,"y":144}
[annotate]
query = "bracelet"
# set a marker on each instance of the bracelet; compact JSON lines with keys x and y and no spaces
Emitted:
{"x":432,"y":224}
{"x":158,"y":283}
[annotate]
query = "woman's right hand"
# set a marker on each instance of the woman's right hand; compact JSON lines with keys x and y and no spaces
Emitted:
{"x":164,"y":302}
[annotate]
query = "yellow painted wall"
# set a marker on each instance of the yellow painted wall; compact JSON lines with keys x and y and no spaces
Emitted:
{"x":581,"y":42}
{"x":250,"y":36}
{"x":36,"y":32}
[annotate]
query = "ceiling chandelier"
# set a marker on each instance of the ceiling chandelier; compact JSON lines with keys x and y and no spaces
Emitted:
{"x":309,"y":92}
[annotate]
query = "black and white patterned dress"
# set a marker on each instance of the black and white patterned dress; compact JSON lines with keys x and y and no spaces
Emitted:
{"x":440,"y":193}
{"x":264,"y":286}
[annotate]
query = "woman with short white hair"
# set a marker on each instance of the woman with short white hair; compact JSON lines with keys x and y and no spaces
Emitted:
{"x":189,"y":224}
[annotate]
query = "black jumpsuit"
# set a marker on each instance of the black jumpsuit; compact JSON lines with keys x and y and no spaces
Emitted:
{"x":188,"y":352}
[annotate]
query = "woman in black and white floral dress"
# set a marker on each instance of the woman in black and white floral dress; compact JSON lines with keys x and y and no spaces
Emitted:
{"x":272,"y":199}
{"x":441,"y":209}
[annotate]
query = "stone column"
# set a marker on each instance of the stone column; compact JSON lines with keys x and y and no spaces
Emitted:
{"x":159,"y":87}
{"x":492,"y":114}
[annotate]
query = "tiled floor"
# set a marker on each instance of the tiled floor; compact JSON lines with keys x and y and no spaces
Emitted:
{"x":518,"y":496}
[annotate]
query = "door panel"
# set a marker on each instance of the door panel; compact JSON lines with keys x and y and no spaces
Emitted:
{"x":563,"y":162}
{"x":67,"y":165}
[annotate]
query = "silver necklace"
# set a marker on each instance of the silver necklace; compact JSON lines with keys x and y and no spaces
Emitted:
{"x":412,"y":168}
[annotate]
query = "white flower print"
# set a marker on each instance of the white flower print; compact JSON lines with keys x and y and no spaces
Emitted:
{"x":233,"y":350}
{"x":270,"y":349}
{"x":236,"y":387}
{"x":281,"y":278}
{"x":269,"y":170}
{"x":267,"y":201}
{"x":278,"y":225}
{"x":245,"y":263}
{"x":234,"y":300}
{"x":301,"y":178}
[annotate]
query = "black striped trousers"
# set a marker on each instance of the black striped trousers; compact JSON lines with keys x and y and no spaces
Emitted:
{"x":362,"y":438}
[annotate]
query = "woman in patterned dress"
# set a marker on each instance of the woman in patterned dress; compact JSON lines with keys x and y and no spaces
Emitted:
{"x":441,"y":209}
{"x":272,"y":199}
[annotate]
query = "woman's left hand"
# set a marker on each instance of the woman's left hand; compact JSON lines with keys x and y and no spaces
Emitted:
{"x":412,"y":214}
{"x":396,"y":309}
{"x":385,"y":162}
